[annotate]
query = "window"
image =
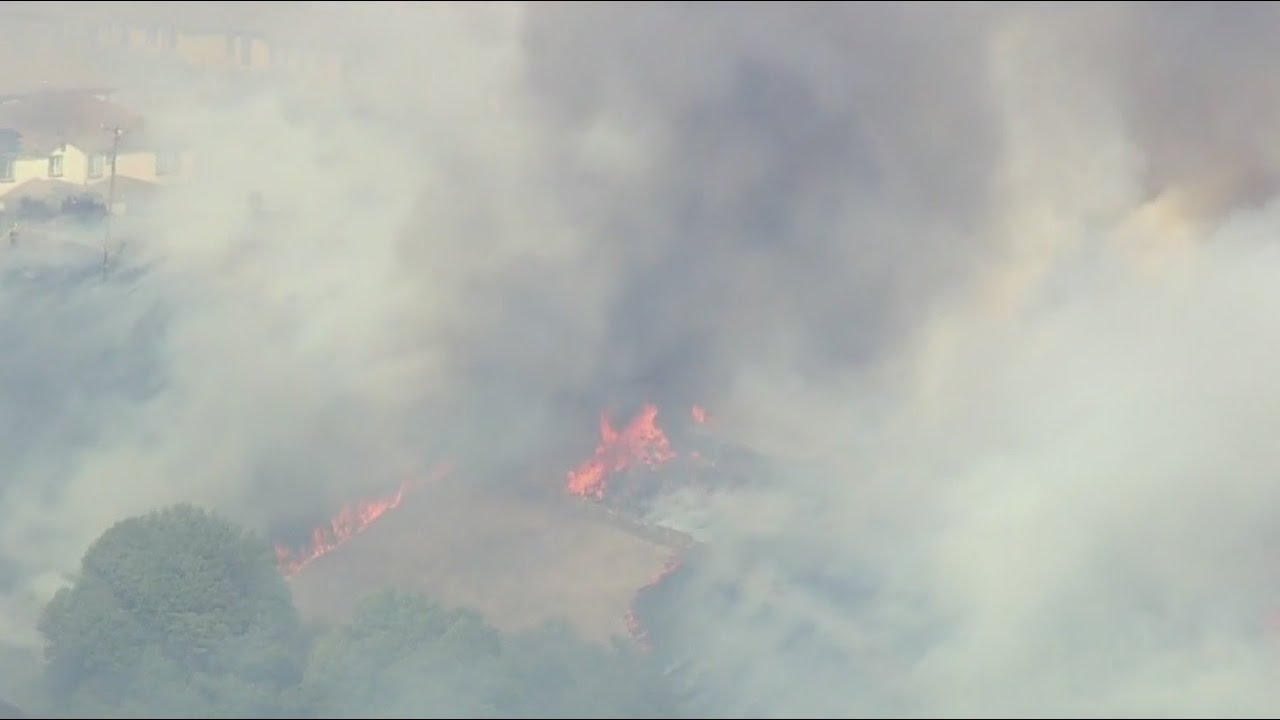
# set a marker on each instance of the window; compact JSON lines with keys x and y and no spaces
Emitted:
{"x":55,"y":166}
{"x":168,"y":163}
{"x":6,"y":169}
{"x":97,"y":163}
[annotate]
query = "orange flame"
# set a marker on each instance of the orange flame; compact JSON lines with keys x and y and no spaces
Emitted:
{"x":352,"y":520}
{"x":635,"y":628}
{"x":640,"y":442}
{"x":349,"y":522}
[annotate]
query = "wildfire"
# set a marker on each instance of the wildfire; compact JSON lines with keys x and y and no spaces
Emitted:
{"x":635,"y":628}
{"x":350,"y":521}
{"x":699,"y":414}
{"x":641,"y":442}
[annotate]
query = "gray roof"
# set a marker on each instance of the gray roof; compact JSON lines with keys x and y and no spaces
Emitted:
{"x":43,"y":121}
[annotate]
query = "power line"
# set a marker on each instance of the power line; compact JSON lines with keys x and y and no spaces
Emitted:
{"x":116,"y":131}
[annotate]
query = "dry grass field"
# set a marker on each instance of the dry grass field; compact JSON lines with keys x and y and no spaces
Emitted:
{"x":519,"y":560}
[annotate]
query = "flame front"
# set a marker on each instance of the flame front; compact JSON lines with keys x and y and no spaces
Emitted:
{"x":641,"y":442}
{"x":635,"y":628}
{"x":349,"y":522}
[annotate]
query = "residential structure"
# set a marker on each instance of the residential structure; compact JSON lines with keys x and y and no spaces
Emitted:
{"x":59,"y":140}
{"x":218,"y":50}
{"x":210,"y":37}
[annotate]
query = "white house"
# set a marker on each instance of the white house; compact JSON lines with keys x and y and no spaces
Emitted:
{"x":70,"y":137}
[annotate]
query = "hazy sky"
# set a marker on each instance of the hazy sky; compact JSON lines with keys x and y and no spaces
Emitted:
{"x":1004,"y":271}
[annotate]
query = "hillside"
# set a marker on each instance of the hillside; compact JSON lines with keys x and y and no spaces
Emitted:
{"x":518,"y":560}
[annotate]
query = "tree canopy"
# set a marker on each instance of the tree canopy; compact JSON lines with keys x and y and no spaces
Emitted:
{"x":181,"y":613}
{"x":179,"y":606}
{"x":404,"y":656}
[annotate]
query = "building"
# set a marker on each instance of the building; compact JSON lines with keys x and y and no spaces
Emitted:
{"x":54,"y":141}
{"x":219,"y":50}
{"x":208,"y":37}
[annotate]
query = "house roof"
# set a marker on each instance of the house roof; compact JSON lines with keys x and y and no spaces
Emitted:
{"x":46,"y":120}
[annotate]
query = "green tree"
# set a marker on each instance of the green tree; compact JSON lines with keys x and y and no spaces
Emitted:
{"x":403,"y":655}
{"x":175,"y":613}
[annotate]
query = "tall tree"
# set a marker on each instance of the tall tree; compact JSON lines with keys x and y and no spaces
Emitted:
{"x":403,"y":655}
{"x":175,"y":613}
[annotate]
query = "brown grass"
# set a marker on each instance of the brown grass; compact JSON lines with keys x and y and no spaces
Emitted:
{"x":518,"y":560}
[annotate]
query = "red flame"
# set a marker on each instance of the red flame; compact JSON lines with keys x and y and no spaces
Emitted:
{"x":634,"y":627}
{"x":641,"y":442}
{"x":349,"y":522}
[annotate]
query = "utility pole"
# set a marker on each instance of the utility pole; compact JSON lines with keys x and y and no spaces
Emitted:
{"x":116,"y":131}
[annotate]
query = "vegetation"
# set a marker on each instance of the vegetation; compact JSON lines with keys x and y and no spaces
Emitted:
{"x":175,"y":613}
{"x":180,"y":613}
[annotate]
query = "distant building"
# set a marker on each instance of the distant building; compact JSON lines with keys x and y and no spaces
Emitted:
{"x":67,"y":138}
{"x":213,"y":37}
{"x":224,"y":50}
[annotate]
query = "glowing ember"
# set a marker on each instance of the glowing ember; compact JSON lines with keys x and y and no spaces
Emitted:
{"x":636,"y":630}
{"x":641,"y":442}
{"x":634,"y":627}
{"x":699,"y":414}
